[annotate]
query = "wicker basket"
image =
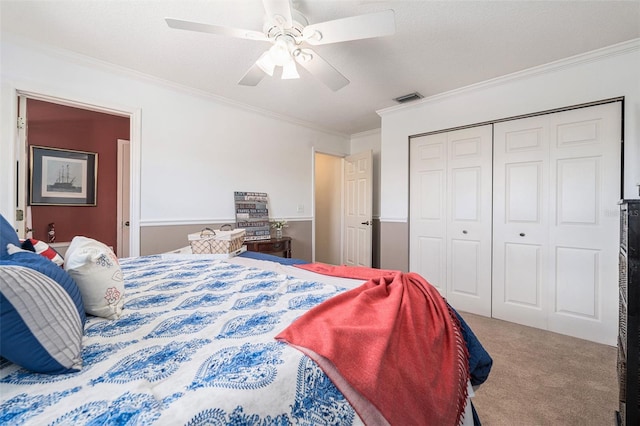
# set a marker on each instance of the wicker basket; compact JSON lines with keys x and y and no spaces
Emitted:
{"x":209,"y":241}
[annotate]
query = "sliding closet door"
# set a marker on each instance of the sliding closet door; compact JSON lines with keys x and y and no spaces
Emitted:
{"x":450,"y":215}
{"x":556,"y":188}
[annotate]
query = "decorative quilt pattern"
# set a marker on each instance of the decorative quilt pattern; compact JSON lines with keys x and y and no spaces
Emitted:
{"x":194,"y":346}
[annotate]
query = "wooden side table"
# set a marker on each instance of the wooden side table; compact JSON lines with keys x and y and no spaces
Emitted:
{"x":272,"y":246}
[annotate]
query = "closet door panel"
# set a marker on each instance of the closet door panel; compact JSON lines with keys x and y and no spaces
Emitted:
{"x":432,"y":186}
{"x":520,"y":182}
{"x":578,"y":181}
{"x":469,"y":219}
{"x":523,"y":192}
{"x":577,"y":282}
{"x":427,"y":226}
{"x":523,"y":277}
{"x":585,"y":152}
{"x":466,"y":190}
{"x":465,"y":268}
{"x":430,"y":255}
{"x":431,"y":248}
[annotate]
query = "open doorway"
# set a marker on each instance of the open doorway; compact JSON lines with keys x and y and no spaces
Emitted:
{"x":70,"y":129}
{"x":343,"y":209}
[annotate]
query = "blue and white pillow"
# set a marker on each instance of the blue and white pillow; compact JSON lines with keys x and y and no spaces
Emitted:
{"x":41,"y":315}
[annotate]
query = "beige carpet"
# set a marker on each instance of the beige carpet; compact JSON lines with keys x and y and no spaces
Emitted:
{"x":544,"y":378}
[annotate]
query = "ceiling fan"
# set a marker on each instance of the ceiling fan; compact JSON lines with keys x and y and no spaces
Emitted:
{"x":289,"y":32}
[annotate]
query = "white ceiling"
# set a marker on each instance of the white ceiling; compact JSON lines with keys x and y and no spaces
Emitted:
{"x":438,"y":46}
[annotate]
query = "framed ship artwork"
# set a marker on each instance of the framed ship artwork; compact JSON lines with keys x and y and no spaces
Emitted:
{"x":62,"y":177}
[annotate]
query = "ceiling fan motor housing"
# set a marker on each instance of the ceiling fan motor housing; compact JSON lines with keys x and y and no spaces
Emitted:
{"x":277,"y":25}
{"x":286,"y":38}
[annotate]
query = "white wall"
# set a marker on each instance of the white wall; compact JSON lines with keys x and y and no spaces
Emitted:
{"x":603,"y":74}
{"x":195,"y":149}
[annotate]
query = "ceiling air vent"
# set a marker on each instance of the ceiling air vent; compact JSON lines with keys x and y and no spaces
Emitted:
{"x":408,"y":98}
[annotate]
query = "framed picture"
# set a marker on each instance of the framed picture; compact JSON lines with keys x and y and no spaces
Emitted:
{"x":63,"y":177}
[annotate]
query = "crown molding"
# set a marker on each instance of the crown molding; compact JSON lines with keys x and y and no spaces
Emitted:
{"x":366,"y":133}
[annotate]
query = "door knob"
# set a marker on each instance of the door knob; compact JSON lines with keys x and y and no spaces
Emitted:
{"x":522,"y":234}
{"x":464,"y":231}
{"x":126,"y":223}
{"x":365,"y":223}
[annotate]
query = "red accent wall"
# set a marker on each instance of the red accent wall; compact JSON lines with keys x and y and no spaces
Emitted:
{"x":60,"y":126}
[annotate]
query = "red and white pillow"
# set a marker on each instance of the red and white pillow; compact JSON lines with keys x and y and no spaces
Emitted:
{"x":43,"y":249}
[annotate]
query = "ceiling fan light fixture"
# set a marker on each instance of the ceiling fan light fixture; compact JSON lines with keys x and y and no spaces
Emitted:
{"x":280,"y":51}
{"x":289,"y":71}
{"x":266,"y":64}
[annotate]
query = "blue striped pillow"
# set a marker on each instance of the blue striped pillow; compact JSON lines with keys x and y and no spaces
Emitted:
{"x":45,"y":266}
{"x":41,"y":315}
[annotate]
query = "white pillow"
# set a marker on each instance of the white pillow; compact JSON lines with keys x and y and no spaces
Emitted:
{"x":97,"y":273}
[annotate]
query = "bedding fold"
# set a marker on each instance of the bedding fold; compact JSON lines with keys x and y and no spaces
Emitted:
{"x":392,"y":343}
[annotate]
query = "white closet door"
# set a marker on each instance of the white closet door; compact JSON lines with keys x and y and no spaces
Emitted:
{"x":556,"y":188}
{"x":450,"y":215}
{"x":428,"y":218}
{"x":521,"y":221}
{"x":469,"y":220}
{"x":585,"y":171}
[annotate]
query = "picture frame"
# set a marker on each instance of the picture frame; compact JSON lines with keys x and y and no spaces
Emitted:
{"x":62,"y":177}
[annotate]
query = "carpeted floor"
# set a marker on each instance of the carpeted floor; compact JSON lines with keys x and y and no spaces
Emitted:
{"x":544,"y":378}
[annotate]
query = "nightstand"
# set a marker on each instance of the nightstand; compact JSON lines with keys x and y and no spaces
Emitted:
{"x":280,"y":246}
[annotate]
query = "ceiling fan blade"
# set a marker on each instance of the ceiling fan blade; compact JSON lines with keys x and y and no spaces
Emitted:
{"x":215,"y":29}
{"x":375,"y":24}
{"x":322,"y":69}
{"x":253,"y":76}
{"x":278,"y":7}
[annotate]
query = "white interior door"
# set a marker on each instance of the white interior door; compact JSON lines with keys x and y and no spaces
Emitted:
{"x":123,"y":204}
{"x":22,"y":219}
{"x":557,"y":184}
{"x":450,"y":215}
{"x":358,"y":193}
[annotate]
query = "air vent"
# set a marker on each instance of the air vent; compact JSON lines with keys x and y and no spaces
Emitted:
{"x":408,"y":98}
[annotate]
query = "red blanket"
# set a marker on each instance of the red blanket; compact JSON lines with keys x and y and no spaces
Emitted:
{"x":393,"y":344}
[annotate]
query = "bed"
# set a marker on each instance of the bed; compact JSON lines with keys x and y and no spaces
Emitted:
{"x":195,"y":345}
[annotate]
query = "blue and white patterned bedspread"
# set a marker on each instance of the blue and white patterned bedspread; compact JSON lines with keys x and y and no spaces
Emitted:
{"x":195,"y":346}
